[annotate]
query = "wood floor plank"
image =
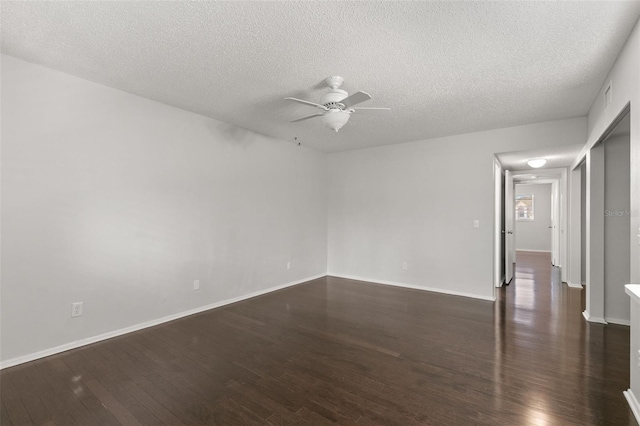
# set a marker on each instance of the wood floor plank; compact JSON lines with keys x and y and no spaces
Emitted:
{"x":248,"y":404}
{"x":145,"y":407}
{"x":61,"y":405}
{"x":279,"y":411}
{"x":78,"y":384}
{"x":61,"y":398}
{"x":16,"y":411}
{"x":143,"y":415}
{"x":157,"y":391}
{"x":30,"y":399}
{"x":347,"y":352}
{"x":90,"y":364}
{"x":114,"y":406}
{"x":121,"y":387}
{"x":4,"y":415}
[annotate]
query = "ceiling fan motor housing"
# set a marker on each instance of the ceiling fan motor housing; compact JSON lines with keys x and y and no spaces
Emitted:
{"x":333,"y":98}
{"x":336,"y":116}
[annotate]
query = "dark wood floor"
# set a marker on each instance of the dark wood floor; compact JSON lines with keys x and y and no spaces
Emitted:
{"x":336,"y":350}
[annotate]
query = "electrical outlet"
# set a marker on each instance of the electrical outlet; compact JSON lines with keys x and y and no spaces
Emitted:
{"x":638,"y":358}
{"x":76,"y":309}
{"x":405,"y":266}
{"x":196,"y":284}
{"x":288,"y":265}
{"x":476,"y":224}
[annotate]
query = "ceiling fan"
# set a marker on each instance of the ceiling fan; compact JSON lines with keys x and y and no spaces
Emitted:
{"x":336,"y":105}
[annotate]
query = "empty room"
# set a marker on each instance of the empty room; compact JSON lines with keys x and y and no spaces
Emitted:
{"x":307,"y":212}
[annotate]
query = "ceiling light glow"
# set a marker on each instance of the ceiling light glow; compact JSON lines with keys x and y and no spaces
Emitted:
{"x":536,"y":162}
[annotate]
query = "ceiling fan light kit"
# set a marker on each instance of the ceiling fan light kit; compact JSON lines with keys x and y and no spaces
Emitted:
{"x":336,"y":104}
{"x":335,"y":119}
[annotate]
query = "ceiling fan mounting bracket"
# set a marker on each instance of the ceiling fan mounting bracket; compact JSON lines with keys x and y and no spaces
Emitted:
{"x":334,"y":81}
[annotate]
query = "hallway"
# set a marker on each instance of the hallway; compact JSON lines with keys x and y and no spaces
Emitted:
{"x":567,"y":362}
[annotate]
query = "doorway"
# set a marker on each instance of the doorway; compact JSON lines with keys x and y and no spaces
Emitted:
{"x":534,"y":225}
{"x":607,"y":225}
{"x":555,"y":172}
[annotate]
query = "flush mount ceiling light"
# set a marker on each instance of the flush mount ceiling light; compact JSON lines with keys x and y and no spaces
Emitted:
{"x":536,"y":162}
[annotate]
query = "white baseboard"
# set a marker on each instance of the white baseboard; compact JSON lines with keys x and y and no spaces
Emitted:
{"x":414,"y":287}
{"x":633,"y":404}
{"x":618,"y":321}
{"x":535,"y":251}
{"x":589,"y":318}
{"x":111,"y":334}
{"x":573,"y":285}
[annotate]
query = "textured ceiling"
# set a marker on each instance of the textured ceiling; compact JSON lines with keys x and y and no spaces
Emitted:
{"x":443,"y":67}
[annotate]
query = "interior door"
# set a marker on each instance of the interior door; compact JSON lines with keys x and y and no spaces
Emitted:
{"x":555,"y":221}
{"x":509,"y":226}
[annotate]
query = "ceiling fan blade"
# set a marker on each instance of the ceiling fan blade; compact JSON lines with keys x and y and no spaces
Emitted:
{"x":372,"y":110}
{"x":307,"y":103}
{"x":354,"y":99}
{"x":306,"y":118}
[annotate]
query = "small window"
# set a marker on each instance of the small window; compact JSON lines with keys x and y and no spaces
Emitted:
{"x":524,"y":207}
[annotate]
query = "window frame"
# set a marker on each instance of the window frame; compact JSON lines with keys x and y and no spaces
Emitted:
{"x":532,"y":208}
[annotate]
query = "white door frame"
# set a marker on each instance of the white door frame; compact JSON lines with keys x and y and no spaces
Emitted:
{"x":557,"y":217}
{"x":559,"y":233}
{"x":498,"y":276}
{"x":561,"y":229}
{"x":555,"y":223}
{"x":509,"y":227}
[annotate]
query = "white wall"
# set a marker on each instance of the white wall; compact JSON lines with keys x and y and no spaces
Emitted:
{"x":594,"y":249}
{"x":535,"y":234}
{"x":583,"y":223}
{"x":574,"y":212}
{"x":624,"y":78}
{"x":121,"y":202}
{"x":634,"y":342}
{"x":625,"y":82}
{"x":616,"y":229}
{"x":416,"y":203}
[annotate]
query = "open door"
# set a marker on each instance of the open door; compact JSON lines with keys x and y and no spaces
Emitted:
{"x":509,"y":226}
{"x":555,"y":223}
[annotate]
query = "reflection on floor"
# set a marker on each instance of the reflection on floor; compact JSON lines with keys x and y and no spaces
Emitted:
{"x":572,"y":363}
{"x":342,"y":351}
